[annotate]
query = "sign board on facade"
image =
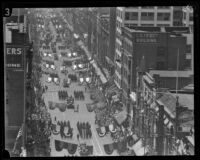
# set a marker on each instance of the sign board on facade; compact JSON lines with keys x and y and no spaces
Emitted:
{"x":14,"y":56}
{"x":146,"y":38}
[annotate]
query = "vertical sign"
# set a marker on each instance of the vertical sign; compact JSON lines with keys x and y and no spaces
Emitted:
{"x":14,"y":57}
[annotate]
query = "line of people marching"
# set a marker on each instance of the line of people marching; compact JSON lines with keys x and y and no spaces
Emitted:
{"x":62,"y":95}
{"x":84,"y":130}
{"x":79,"y":95}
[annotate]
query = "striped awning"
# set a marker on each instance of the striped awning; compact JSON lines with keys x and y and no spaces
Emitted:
{"x":166,"y":121}
{"x":169,"y":125}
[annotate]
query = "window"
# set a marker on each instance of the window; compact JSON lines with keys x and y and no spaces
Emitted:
{"x":147,"y":16}
{"x":163,"y":16}
{"x":160,"y":65}
{"x":188,"y":63}
{"x":161,"y":25}
{"x":191,"y":17}
{"x":161,"y":51}
{"x":129,"y":79}
{"x":184,"y":15}
{"x":133,"y":16}
{"x":148,"y":7}
{"x":163,"y":7}
{"x":147,"y":25}
{"x":177,"y":14}
{"x":127,"y":15}
{"x":188,"y":48}
{"x":129,"y":65}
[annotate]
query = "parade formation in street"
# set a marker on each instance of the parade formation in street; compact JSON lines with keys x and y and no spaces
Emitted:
{"x":68,"y":83}
{"x":91,"y":88}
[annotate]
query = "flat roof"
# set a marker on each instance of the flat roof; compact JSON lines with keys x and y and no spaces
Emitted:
{"x":178,"y":30}
{"x":186,"y":100}
{"x":166,"y":73}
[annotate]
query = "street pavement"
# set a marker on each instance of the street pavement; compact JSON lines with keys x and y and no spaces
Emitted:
{"x":82,"y":116}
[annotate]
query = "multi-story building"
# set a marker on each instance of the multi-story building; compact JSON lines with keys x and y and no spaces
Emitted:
{"x":92,"y":31}
{"x":103,"y":41}
{"x":176,"y":121}
{"x":172,"y":79}
{"x":142,"y":16}
{"x":157,"y":45}
{"x":187,"y":16}
{"x":16,"y":43}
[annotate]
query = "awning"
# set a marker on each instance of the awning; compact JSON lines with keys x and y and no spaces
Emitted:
{"x":120,"y":117}
{"x":137,"y":146}
{"x":133,"y":96}
{"x":149,"y":101}
{"x":141,"y":152}
{"x":166,"y":121}
{"x":98,"y":71}
{"x":135,"y":137}
{"x":109,"y":61}
{"x":169,"y":125}
{"x":190,"y":139}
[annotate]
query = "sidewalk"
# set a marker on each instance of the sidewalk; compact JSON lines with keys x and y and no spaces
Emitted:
{"x":95,"y":65}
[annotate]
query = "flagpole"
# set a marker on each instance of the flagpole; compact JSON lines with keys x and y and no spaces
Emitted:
{"x":177,"y":72}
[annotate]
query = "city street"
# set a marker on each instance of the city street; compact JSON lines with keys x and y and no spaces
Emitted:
{"x":99,"y":81}
{"x":82,"y":116}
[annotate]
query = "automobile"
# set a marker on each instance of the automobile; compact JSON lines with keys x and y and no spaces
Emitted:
{"x":50,"y":55}
{"x":44,"y":54}
{"x":101,"y":131}
{"x":53,"y":67}
{"x":56,"y":80}
{"x":49,"y":79}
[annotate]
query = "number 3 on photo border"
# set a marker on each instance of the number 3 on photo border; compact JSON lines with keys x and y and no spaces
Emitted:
{"x":7,"y":12}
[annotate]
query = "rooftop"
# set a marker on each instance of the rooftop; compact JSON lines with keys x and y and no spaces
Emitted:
{"x":186,"y":100}
{"x":173,"y":30}
{"x":169,"y":102}
{"x":166,"y":73}
{"x":189,"y":87}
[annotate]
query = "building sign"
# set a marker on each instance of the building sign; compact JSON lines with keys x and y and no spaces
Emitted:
{"x":14,"y":57}
{"x":146,"y":38}
{"x":186,"y":116}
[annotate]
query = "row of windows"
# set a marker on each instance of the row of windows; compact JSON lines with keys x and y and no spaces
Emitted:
{"x":119,"y":13}
{"x":118,"y":46}
{"x":124,"y":86}
{"x":190,"y":16}
{"x":151,"y":7}
{"x":147,"y":16}
{"x":118,"y":24}
{"x":151,"y":25}
{"x":117,"y":79}
{"x":127,"y":47}
{"x":127,"y":62}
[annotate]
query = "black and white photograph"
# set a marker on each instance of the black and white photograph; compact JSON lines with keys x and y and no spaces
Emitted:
{"x":99,"y":81}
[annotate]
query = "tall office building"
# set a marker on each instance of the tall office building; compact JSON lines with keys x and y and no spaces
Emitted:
{"x":147,"y":16}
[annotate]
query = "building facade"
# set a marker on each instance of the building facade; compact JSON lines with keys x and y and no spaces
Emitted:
{"x":16,"y":43}
{"x":159,"y":49}
{"x":187,"y":16}
{"x":142,"y":16}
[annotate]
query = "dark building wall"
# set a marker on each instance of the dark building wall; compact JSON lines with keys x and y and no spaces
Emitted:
{"x":174,"y":44}
{"x":153,"y":57}
{"x":170,"y":82}
{"x":15,"y":85}
{"x":112,"y":32}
